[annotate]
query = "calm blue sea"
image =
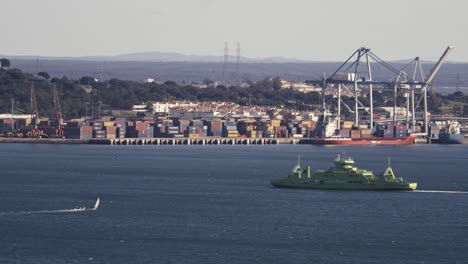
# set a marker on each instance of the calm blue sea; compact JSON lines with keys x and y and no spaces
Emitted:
{"x":214,"y":204}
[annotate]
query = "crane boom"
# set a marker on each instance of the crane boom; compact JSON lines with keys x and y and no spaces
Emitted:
{"x":428,"y":82}
{"x":34,"y":132}
{"x":57,"y":113}
{"x":438,"y":64}
{"x":34,"y":110}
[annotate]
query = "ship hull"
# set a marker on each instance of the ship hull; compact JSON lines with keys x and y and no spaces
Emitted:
{"x":453,"y":139}
{"x":363,"y":187}
{"x":361,"y":141}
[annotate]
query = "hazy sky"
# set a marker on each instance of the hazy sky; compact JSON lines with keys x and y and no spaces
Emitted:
{"x":303,"y":29}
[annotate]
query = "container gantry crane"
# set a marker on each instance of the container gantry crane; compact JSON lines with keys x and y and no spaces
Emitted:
{"x":58,"y":131}
{"x":355,"y":79}
{"x":34,"y":132}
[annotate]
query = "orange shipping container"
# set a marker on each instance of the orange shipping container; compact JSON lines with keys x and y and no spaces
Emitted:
{"x":106,"y":118}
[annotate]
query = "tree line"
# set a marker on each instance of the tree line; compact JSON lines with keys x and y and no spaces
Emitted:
{"x":78,"y":96}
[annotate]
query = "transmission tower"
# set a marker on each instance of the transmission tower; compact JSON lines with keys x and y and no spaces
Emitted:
{"x":458,"y":83}
{"x":238,"y":63}
{"x":226,"y":55}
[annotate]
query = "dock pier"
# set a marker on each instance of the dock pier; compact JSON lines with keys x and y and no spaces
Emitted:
{"x":154,"y":141}
{"x":198,"y":141}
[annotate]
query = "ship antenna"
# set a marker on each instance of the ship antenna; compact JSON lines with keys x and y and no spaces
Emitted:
{"x":388,"y":161}
{"x":299,"y":160}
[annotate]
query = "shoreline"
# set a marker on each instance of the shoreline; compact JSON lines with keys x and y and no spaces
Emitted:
{"x":43,"y":140}
{"x":173,"y":141}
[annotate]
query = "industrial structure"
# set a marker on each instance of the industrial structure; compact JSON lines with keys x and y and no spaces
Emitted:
{"x":355,"y":76}
{"x":34,"y":132}
{"x":226,"y":62}
{"x":58,"y":131}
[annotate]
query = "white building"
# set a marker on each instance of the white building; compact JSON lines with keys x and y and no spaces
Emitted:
{"x":184,"y":113}
{"x":300,"y":86}
{"x":400,"y":112}
{"x":141,"y":108}
{"x":16,"y":116}
{"x":160,"y":108}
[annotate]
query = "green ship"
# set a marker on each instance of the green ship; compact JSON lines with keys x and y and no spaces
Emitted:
{"x":344,"y":176}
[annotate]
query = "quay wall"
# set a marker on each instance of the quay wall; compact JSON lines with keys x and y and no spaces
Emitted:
{"x":155,"y":141}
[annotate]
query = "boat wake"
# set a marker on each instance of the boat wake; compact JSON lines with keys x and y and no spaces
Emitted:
{"x":43,"y":212}
{"x":74,"y":210}
{"x":439,"y":191}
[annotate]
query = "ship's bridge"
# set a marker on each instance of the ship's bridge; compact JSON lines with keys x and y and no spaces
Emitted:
{"x":344,"y":162}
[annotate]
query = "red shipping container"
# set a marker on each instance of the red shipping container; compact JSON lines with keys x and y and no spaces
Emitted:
{"x":119,"y":122}
{"x":8,"y":121}
{"x":86,"y":129}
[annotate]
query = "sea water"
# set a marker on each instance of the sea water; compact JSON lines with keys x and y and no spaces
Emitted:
{"x":214,"y":204}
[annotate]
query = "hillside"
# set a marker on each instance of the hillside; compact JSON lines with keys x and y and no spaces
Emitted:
{"x":84,"y":94}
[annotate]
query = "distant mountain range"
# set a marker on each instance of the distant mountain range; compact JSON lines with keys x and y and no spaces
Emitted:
{"x":160,"y":57}
{"x":192,"y":68}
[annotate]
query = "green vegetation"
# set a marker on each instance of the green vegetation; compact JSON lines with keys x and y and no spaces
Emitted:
{"x":78,"y":96}
{"x":4,"y":63}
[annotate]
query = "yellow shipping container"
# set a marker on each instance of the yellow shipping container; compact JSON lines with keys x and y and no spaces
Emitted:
{"x":193,"y":135}
{"x":347,"y":125}
{"x":275,"y":122}
{"x":109,"y":124}
{"x":366,"y":131}
{"x":251,"y":134}
{"x":306,"y":123}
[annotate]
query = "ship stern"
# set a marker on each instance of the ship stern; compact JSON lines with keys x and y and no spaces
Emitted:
{"x":412,"y":186}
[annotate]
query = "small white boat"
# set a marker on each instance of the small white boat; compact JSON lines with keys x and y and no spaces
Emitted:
{"x":96,"y":205}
